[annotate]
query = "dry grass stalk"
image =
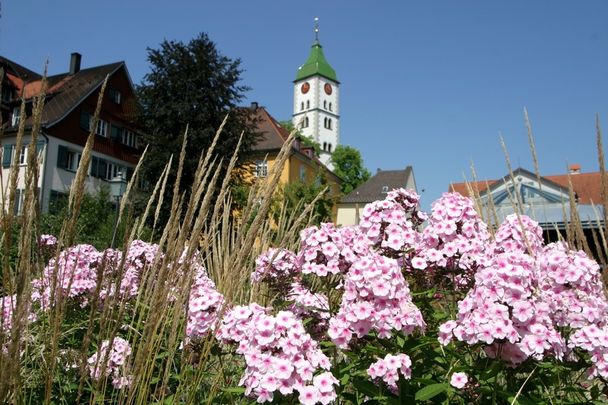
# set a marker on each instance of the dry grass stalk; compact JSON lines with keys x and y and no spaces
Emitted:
{"x":532,"y":145}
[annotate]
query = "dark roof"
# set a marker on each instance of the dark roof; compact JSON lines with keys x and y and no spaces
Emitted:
{"x":272,"y":134}
{"x":587,"y":186}
{"x":371,"y":190}
{"x":67,"y":91}
{"x":24,"y":73}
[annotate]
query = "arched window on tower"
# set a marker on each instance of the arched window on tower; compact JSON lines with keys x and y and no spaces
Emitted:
{"x":325,"y":104}
{"x":305,"y":123}
{"x":307,"y":104}
{"x":302,"y":106}
{"x":329,"y":123}
{"x":329,"y":147}
{"x":324,"y":145}
{"x":330,"y":106}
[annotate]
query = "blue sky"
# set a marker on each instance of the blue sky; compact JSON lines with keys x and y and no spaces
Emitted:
{"x":430,"y":84}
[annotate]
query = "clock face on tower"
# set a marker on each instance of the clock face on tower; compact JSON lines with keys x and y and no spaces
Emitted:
{"x":305,"y":87}
{"x":328,"y":89}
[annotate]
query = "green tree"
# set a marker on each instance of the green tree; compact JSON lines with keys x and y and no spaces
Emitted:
{"x":348,"y":164}
{"x":192,"y":85}
{"x":304,"y":140}
{"x":297,"y":195}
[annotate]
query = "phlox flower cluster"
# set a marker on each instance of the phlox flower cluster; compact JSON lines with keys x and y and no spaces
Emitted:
{"x":111,"y":361}
{"x":519,"y":233}
{"x":389,"y":368}
{"x":7,"y":305}
{"x":453,"y":243}
{"x":306,"y":304}
{"x":595,"y":341}
{"x":526,"y":293}
{"x":73,"y":274}
{"x":277,"y":267}
{"x":376,"y":297}
{"x":47,"y":241}
{"x":391,"y":224}
{"x":204,"y":305}
{"x":504,"y":312}
{"x":571,"y":284}
{"x":279,"y":355}
{"x":329,"y":250}
{"x":139,"y":257}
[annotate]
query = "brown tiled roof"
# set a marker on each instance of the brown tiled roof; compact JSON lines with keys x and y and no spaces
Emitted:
{"x":272,"y":137}
{"x":371,"y":190}
{"x":67,"y":91}
{"x":272,"y":134}
{"x":24,"y":73}
{"x":587,"y":186}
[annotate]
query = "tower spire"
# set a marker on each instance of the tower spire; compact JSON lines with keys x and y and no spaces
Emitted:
{"x":316,"y":30}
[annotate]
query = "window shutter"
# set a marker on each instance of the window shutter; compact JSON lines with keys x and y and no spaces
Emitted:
{"x":7,"y":154}
{"x":85,"y":120}
{"x":17,"y":201}
{"x":62,"y":157}
{"x":116,"y":133}
{"x":102,"y":168}
{"x":94,"y":166}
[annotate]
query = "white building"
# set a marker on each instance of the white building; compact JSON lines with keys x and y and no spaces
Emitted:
{"x":70,"y":103}
{"x":316,"y":106}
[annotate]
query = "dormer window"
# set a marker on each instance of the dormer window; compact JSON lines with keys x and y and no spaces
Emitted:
{"x":384,"y":189}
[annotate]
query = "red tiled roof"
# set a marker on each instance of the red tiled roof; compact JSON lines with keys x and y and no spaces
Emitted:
{"x":587,"y":186}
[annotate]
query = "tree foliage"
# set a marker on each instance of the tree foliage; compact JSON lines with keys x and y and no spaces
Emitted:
{"x":192,"y":85}
{"x":298,"y":194}
{"x":348,"y":165}
{"x":304,"y":140}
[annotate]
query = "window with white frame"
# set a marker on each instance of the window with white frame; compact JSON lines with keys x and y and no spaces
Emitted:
{"x":102,"y":128}
{"x":23,"y":156}
{"x":73,"y":160}
{"x":261,"y":168}
{"x":16,"y":116}
{"x":68,"y":159}
{"x":129,"y":138}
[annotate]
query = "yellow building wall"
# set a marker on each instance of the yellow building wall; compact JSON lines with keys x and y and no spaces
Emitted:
{"x":296,"y":168}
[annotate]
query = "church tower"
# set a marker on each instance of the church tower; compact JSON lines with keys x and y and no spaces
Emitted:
{"x":316,"y":108}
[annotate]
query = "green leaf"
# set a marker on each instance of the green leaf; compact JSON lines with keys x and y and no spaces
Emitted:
{"x":234,"y":390}
{"x":366,"y":387}
{"x":431,"y":391}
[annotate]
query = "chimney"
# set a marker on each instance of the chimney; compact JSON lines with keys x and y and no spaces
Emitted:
{"x":574,"y":168}
{"x":75,"y":63}
{"x":378,"y":170}
{"x":254,"y":105}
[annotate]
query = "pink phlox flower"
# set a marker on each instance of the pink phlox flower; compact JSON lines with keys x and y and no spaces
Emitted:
{"x":459,"y":380}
